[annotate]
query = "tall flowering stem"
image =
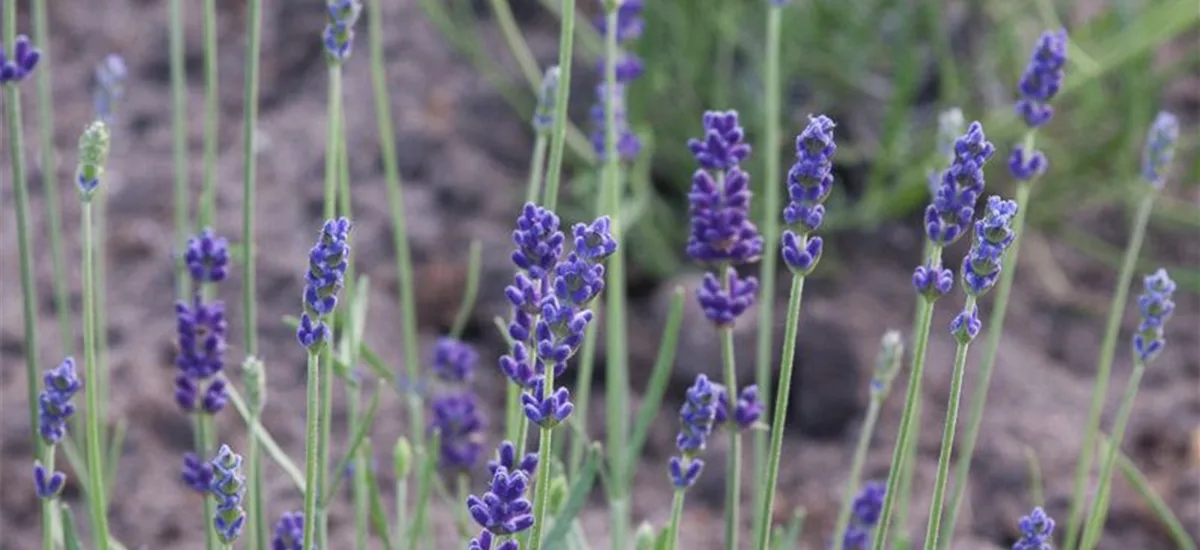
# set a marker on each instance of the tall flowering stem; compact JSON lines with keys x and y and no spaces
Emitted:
{"x":558,"y":134}
{"x":947,"y":218}
{"x":1157,"y":155}
{"x":770,"y":265}
{"x":810,"y":181}
{"x":54,"y":409}
{"x":891,"y":353}
{"x":980,"y":270}
{"x":179,"y":144}
{"x":208,"y":200}
{"x":1155,"y":305}
{"x":93,"y":152}
{"x":696,"y":420}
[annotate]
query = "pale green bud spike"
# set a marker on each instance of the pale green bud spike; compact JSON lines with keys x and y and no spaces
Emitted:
{"x":93,"y":154}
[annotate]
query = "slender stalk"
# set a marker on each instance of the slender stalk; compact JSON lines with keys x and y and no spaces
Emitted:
{"x":779,"y":416}
{"x":1099,"y":509}
{"x":312,"y":442}
{"x":205,"y":432}
{"x":770,"y":225}
{"x":387,"y":142}
{"x":995,"y":332}
{"x":933,"y":527}
{"x":209,"y":198}
{"x":424,"y":486}
{"x":516,"y":43}
{"x":91,"y":380}
{"x":856,"y":466}
{"x":45,"y":107}
{"x":733,"y":479}
{"x":325,"y":421}
{"x":258,"y":530}
{"x":583,"y":395}
{"x":558,"y":132}
{"x":49,"y":505}
{"x":912,"y":396}
{"x":183,"y":283}
{"x":907,"y":472}
{"x":100,"y":200}
{"x":359,"y":488}
{"x":401,"y":510}
{"x":676,"y":519}
{"x":536,"y":166}
{"x":1108,"y":348}
{"x":541,"y":490}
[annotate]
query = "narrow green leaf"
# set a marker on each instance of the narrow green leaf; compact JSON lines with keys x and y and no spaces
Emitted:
{"x":575,"y":499}
{"x":115,"y":444}
{"x":356,"y":440}
{"x":70,"y":532}
{"x":379,"y":516}
{"x":658,"y":377}
{"x":471,"y":291}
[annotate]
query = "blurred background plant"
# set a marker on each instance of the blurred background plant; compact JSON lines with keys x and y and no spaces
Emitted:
{"x":885,"y":69}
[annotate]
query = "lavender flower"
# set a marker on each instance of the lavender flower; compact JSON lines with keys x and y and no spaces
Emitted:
{"x":503,"y":509}
{"x":545,"y":410}
{"x":485,"y":540}
{"x":993,"y":236}
{"x":506,"y":457}
{"x":719,"y":202}
{"x":207,"y":257}
{"x":1042,"y":78}
{"x":54,"y":403}
{"x":24,"y":59}
{"x":196,"y":474}
{"x":867,"y":507}
{"x":338,"y":36}
{"x":1037,"y":531}
{"x":1026,"y":167}
{"x":950,"y":213}
{"x":460,"y":422}
{"x":628,"y":67}
{"x":1155,"y":305}
{"x":201,"y":329}
{"x":93,"y":153}
{"x":696,"y":422}
{"x":289,"y":532}
{"x":328,"y":261}
{"x":932,"y":281}
{"x":228,"y":486}
{"x":543,"y":113}
{"x":723,"y":305}
{"x":1160,"y":148}
{"x":810,"y":180}
{"x":108,"y":87}
{"x":746,"y":412}
{"x":966,"y":325}
{"x":454,"y":360}
{"x":47,"y":483}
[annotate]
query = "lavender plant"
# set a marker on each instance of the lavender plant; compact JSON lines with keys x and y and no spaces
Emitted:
{"x":696,"y":420}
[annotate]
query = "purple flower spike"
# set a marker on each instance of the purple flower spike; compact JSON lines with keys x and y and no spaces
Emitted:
{"x":458,"y":419}
{"x":628,"y":143}
{"x":867,"y":507}
{"x":723,"y":146}
{"x":503,"y":510}
{"x":207,"y":257}
{"x":1026,"y":167}
{"x":454,"y":360}
{"x":201,"y":330}
{"x":229,"y":487}
{"x":966,"y":325}
{"x":932,"y":282}
{"x":746,"y":412}
{"x":1037,"y":531}
{"x":723,"y":305}
{"x":810,"y":179}
{"x":1042,"y":78}
{"x":577,"y":280}
{"x":953,"y":206}
{"x":289,"y":532}
{"x":628,"y":67}
{"x":48,"y":484}
{"x":1155,"y":306}
{"x":1160,"y":148}
{"x":696,"y":419}
{"x":520,"y":367}
{"x":196,"y":474}
{"x":721,"y":230}
{"x":506,"y":457}
{"x":594,"y":241}
{"x":24,"y":59}
{"x":327,"y":263}
{"x":54,"y":403}
{"x":538,"y":240}
{"x":544,"y":411}
{"x":993,"y":236}
{"x":801,"y":259}
{"x":338,"y":36}
{"x":485,"y":541}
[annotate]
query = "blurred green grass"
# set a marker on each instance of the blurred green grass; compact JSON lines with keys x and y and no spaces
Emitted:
{"x":884,"y":69}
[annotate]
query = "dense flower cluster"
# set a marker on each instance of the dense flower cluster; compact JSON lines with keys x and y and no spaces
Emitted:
{"x":1160,"y":148}
{"x":993,"y":236}
{"x":810,"y":180}
{"x":327,"y":263}
{"x":1036,"y":531}
{"x":201,"y":328}
{"x":628,"y":67}
{"x":1155,"y":306}
{"x":746,"y":411}
{"x":456,"y":416}
{"x":54,"y":403}
{"x":109,"y":87}
{"x":1042,"y":78}
{"x":228,"y":486}
{"x":503,"y":509}
{"x":289,"y":532}
{"x":506,"y":457}
{"x":338,"y":36}
{"x":867,"y":507}
{"x":549,"y":297}
{"x":16,"y":67}
{"x":696,"y":419}
{"x":47,"y":484}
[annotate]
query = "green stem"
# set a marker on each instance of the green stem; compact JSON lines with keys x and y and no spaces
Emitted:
{"x":558,"y":132}
{"x":536,"y":166}
{"x":258,"y":530}
{"x":45,"y":106}
{"x":404,"y":270}
{"x":1099,"y":510}
{"x":583,"y":395}
{"x":211,"y":115}
{"x":257,"y":493}
{"x":49,"y":505}
{"x":908,"y":423}
{"x":91,"y":380}
{"x":179,"y":146}
{"x":933,"y":527}
{"x":904,"y":488}
{"x":516,"y":43}
{"x":778,"y":417}
{"x":541,"y":490}
{"x":24,"y":238}
{"x":676,"y":519}
{"x":101,"y":319}
{"x":733,"y":480}
{"x":359,"y":489}
{"x":856,"y":466}
{"x":770,"y":225}
{"x":205,"y":432}
{"x":995,"y":332}
{"x":401,"y":510}
{"x":424,"y":486}
{"x":325,"y":420}
{"x":312,"y":442}
{"x":1116,"y":310}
